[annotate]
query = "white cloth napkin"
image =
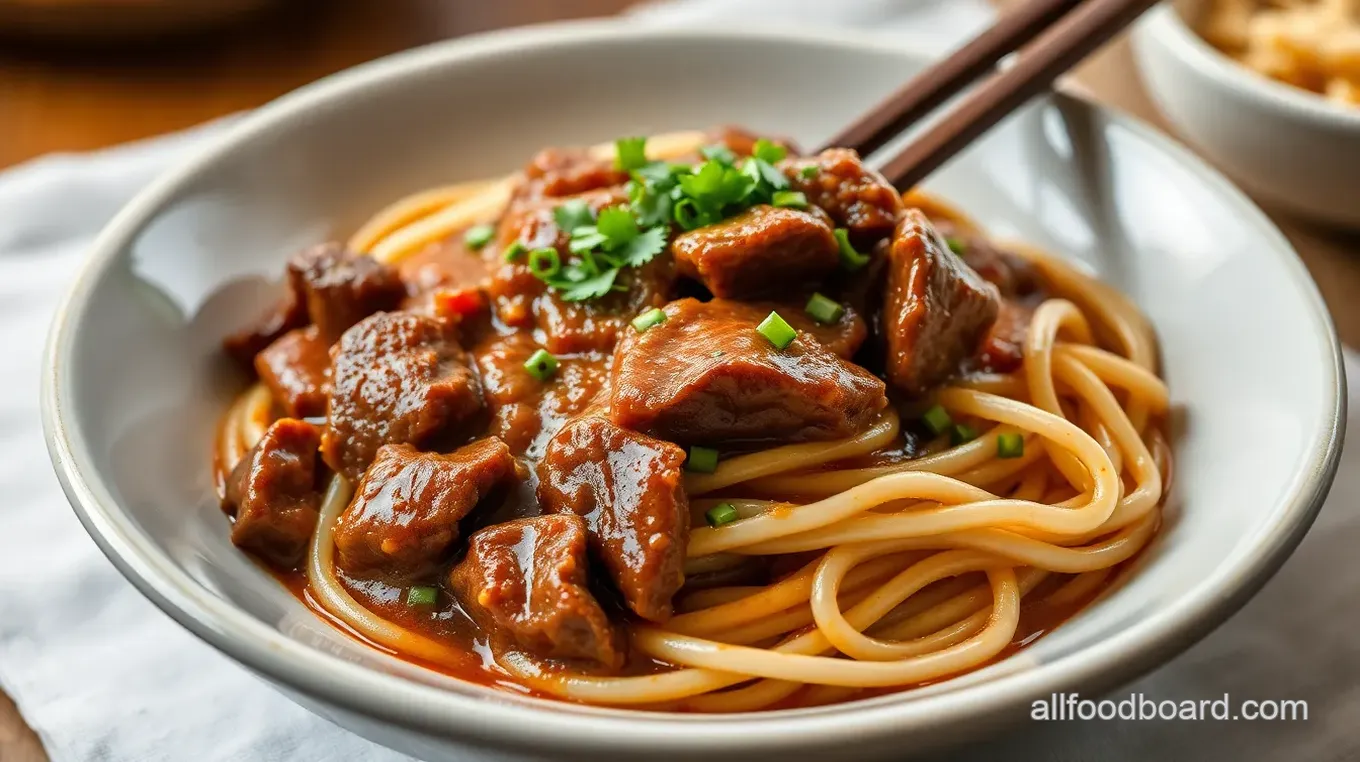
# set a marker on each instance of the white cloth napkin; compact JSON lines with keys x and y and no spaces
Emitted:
{"x":102,"y":675}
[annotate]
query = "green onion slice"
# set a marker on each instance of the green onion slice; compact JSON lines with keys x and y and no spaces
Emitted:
{"x":1010,"y":445}
{"x":514,"y":251}
{"x":956,"y":245}
{"x":790,"y":199}
{"x":850,"y":259}
{"x":545,"y":262}
{"x":961,"y":433}
{"x":702,"y":460}
{"x":722,"y":513}
{"x":937,"y":420}
{"x":541,"y":365}
{"x":422,"y":595}
{"x":777,"y":330}
{"x":654,"y":316}
{"x":824,"y":310}
{"x":478,"y":236}
{"x":631,"y":153}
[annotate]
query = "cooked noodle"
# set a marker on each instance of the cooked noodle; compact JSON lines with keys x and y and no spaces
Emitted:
{"x":918,"y":569}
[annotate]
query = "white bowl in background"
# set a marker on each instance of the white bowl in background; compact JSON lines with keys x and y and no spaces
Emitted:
{"x":1289,"y":147}
{"x":134,"y":381}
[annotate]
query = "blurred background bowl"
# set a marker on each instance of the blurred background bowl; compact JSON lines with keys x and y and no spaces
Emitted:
{"x":1289,"y":147}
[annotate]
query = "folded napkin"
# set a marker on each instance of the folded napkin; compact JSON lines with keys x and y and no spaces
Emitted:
{"x":104,"y":676}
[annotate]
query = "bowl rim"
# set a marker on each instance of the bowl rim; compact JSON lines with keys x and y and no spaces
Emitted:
{"x":1167,"y":25}
{"x":472,"y":719}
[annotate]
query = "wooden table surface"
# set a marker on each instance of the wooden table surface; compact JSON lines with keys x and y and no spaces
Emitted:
{"x":64,"y":100}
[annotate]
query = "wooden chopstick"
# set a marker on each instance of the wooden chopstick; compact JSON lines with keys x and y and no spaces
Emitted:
{"x":1066,"y":42}
{"x":937,"y":84}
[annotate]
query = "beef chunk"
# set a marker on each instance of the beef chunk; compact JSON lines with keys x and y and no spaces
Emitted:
{"x":406,"y":510}
{"x":341,"y":288}
{"x":1003,"y":349}
{"x":706,"y":375}
{"x":935,"y":310}
{"x":742,"y":142}
{"x":521,"y":300}
{"x":288,"y":315}
{"x":764,"y":251}
{"x":396,"y":377}
{"x":296,"y":368}
{"x":843,"y":337}
{"x":630,"y":489}
{"x":525,"y":583}
{"x":274,"y":494}
{"x":1012,"y":275}
{"x":856,"y":197}
{"x":558,"y":172}
{"x":524,"y":410}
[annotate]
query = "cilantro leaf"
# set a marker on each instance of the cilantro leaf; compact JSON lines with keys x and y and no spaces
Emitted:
{"x":617,"y":225}
{"x":764,"y":171}
{"x":585,"y":238}
{"x":572,"y":214}
{"x":720,"y":153}
{"x":767,"y":151}
{"x":644,"y":247}
{"x":590,"y":288}
{"x":631,"y":153}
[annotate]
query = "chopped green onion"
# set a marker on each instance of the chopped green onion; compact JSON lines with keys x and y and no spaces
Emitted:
{"x":478,"y":236}
{"x":777,"y":330}
{"x":808,"y":172}
{"x":937,"y":420}
{"x":421,"y":595}
{"x":824,"y":310}
{"x":702,"y":460}
{"x":544,"y":262}
{"x":646,"y":320}
{"x":1010,"y":445}
{"x":541,"y":365}
{"x":791,"y":199}
{"x":850,"y":259}
{"x":961,"y":433}
{"x":631,"y":153}
{"x":722,"y":513}
{"x":687,"y":214}
{"x":955,"y":244}
{"x":514,"y":250}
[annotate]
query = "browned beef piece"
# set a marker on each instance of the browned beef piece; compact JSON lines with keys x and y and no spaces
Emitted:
{"x":935,"y":310}
{"x":762,"y":252}
{"x":274,"y":493}
{"x":707,"y":376}
{"x":742,"y":141}
{"x":526,"y":583}
{"x":396,"y":377}
{"x":523,"y":301}
{"x":844,"y":337}
{"x":525,"y":411}
{"x":296,"y":368}
{"x":341,"y":288}
{"x":630,"y":489}
{"x":1003,"y":348}
{"x":406,"y":509}
{"x":856,"y":197}
{"x":561,"y":172}
{"x":289,"y":314}
{"x":1012,"y":275}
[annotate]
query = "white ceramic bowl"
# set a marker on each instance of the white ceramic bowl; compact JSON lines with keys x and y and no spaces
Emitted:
{"x":134,"y":379}
{"x":1287,"y":146}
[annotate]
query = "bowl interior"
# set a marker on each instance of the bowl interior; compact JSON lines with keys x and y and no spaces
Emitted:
{"x":138,"y":382}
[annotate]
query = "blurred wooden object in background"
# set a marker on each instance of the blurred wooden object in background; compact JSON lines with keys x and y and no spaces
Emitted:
{"x":68,"y":96}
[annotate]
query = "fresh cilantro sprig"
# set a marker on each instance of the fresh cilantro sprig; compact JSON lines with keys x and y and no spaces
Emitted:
{"x":660,"y":195}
